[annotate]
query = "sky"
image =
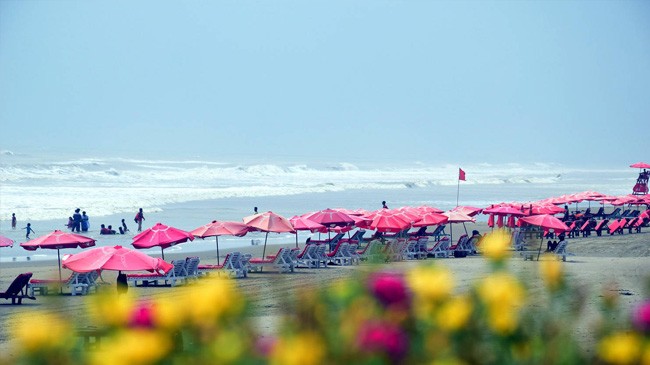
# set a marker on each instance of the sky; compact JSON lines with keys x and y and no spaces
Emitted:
{"x":431,"y":81}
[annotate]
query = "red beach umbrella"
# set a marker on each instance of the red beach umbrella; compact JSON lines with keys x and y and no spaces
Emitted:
{"x":640,"y":165}
{"x":331,"y":218}
{"x":6,"y":242}
{"x":216,"y":229}
{"x":58,"y":240}
{"x":431,"y":219}
{"x":503,"y":210}
{"x":467,"y":210}
{"x":546,"y":222}
{"x":490,"y":221}
{"x":385,"y":220}
{"x":305,"y":224}
{"x":511,"y":221}
{"x":161,"y":236}
{"x":500,"y":221}
{"x":268,"y":222}
{"x":454,"y":216}
{"x":116,"y":258}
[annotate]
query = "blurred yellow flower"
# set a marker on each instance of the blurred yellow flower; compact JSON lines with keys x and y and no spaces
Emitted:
{"x":228,"y":347}
{"x":133,"y":347}
{"x":167,"y":313}
{"x":496,"y":245}
{"x":503,"y":295}
{"x":454,"y":313}
{"x":551,"y":271}
{"x":299,"y":349}
{"x":36,"y":331}
{"x":210,"y":300}
{"x":109,"y":308}
{"x":431,"y":282}
{"x":620,"y":348}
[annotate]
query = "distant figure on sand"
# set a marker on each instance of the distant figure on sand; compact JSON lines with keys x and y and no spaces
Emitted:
{"x":254,"y":210}
{"x":29,"y":230}
{"x":13,"y":220}
{"x":85,"y":225}
{"x":76,"y":217}
{"x":122,"y":284}
{"x":139,"y":217}
{"x":383,"y":205}
{"x":124,"y":228}
{"x":70,"y":223}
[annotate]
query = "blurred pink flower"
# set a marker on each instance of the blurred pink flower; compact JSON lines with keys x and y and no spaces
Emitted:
{"x":142,"y":316}
{"x":383,"y":337}
{"x":389,"y":289}
{"x":641,"y":317}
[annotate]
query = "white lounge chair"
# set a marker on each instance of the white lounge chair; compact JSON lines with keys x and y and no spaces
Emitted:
{"x":173,"y":276}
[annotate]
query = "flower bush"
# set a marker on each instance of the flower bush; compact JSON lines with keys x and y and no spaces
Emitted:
{"x":414,"y":317}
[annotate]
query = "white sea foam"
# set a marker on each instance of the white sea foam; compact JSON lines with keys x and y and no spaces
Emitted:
{"x":50,"y":189}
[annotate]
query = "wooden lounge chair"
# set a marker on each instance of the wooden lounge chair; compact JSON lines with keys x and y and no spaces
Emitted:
{"x":77,"y":283}
{"x":172,"y":278}
{"x":440,"y":248}
{"x":600,"y":226}
{"x":280,"y":261}
{"x":616,"y":213}
{"x":18,"y":290}
{"x":340,"y":255}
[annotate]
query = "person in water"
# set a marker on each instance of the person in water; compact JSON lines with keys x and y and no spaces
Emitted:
{"x":85,"y":225}
{"x":139,"y":217}
{"x":29,"y":230}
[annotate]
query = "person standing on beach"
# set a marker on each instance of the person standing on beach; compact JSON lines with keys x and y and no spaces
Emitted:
{"x":29,"y":230}
{"x":13,"y":220}
{"x":383,"y":205}
{"x":85,"y":225}
{"x":254,"y":210}
{"x":76,"y":218}
{"x":139,"y":217}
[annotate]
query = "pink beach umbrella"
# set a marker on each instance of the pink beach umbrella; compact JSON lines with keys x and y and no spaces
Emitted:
{"x":467,"y":210}
{"x":6,"y":242}
{"x":490,"y":221}
{"x":331,"y":218}
{"x":162,"y":236}
{"x":58,"y":240}
{"x":431,"y":219}
{"x":546,"y":222}
{"x":640,"y":165}
{"x":216,"y":229}
{"x":511,"y":221}
{"x":305,"y":224}
{"x":268,"y":222}
{"x":454,"y":216}
{"x":115,"y":258}
{"x":387,"y":221}
{"x":500,"y":221}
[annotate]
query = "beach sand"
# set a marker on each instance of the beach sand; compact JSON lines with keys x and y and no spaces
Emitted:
{"x":619,"y":263}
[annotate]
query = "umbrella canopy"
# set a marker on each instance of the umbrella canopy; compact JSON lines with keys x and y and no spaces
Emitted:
{"x":331,"y":218}
{"x":640,"y":165}
{"x":305,"y":224}
{"x":58,"y":240}
{"x":467,"y":210}
{"x":503,"y":210}
{"x":546,"y":222}
{"x":161,"y":236}
{"x":6,"y":242}
{"x":216,"y":229}
{"x":431,"y":219}
{"x":116,"y":258}
{"x":268,"y":222}
{"x":388,"y":221}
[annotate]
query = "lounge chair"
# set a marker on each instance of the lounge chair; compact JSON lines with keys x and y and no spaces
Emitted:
{"x":600,"y":226}
{"x":440,"y":248}
{"x":77,"y":283}
{"x":227,"y":266}
{"x":439,"y":232}
{"x":191,"y":268}
{"x":625,"y":213}
{"x":281,"y":261}
{"x":460,"y":246}
{"x":600,"y":213}
{"x":616,"y":213}
{"x":340,"y":254}
{"x":18,"y":290}
{"x":373,"y":251}
{"x":330,"y":242}
{"x":560,"y":251}
{"x":172,"y":278}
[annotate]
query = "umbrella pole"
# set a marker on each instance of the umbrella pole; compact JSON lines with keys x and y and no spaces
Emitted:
{"x":58,"y":255}
{"x":296,"y":238}
{"x":541,"y":242}
{"x":264,"y":250}
{"x":217,"y":239}
{"x":465,"y":227}
{"x":163,"y":253}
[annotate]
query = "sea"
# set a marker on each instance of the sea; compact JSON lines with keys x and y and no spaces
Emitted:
{"x":45,"y":189}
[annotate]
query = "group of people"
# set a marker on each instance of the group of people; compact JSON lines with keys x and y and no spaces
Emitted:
{"x":78,"y":222}
{"x":109,"y":230}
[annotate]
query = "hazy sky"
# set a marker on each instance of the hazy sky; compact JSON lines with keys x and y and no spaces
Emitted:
{"x":434,"y":81}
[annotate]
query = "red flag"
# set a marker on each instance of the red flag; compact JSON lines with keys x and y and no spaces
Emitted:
{"x":461,"y":174}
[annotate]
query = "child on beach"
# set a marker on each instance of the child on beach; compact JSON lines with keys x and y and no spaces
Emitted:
{"x":70,"y":223}
{"x":139,"y":217}
{"x":29,"y":230}
{"x":124,"y":228}
{"x":13,"y":220}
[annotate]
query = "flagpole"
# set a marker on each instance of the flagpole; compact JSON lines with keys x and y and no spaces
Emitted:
{"x":457,"y":192}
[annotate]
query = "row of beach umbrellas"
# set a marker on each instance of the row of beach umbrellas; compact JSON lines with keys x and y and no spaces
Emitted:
{"x":384,"y":220}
